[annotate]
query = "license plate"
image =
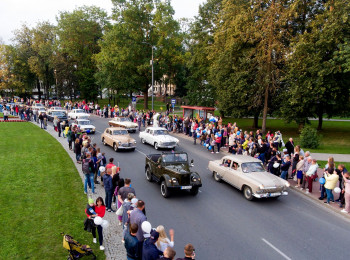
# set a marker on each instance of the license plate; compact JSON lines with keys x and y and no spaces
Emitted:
{"x":274,"y":194}
{"x":186,"y":187}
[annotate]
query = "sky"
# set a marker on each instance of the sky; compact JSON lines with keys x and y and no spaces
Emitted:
{"x":13,"y":13}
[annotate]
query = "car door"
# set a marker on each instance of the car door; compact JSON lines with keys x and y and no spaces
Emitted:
{"x":234,"y":174}
{"x":148,"y":136}
{"x":109,"y":136}
{"x":223,"y":169}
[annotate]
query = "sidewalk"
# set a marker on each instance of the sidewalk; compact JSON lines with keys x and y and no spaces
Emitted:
{"x":337,"y":157}
{"x":315,"y":187}
{"x":112,"y":236}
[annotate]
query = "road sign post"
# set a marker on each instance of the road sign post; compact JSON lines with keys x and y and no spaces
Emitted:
{"x":173,"y":102}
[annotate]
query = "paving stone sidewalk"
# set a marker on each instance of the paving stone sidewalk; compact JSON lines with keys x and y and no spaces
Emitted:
{"x":112,"y":236}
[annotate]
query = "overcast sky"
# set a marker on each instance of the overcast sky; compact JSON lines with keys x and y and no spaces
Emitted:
{"x":13,"y":13}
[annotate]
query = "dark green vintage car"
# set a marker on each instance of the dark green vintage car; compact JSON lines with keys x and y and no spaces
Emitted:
{"x":172,"y":171}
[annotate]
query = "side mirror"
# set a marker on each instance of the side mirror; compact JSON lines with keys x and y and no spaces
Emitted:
{"x":192,"y":163}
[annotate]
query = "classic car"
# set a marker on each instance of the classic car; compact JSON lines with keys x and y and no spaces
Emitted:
{"x":77,"y":113}
{"x":124,"y":122}
{"x":172,"y":171}
{"x":84,"y":125}
{"x":158,"y":137}
{"x":118,"y":138}
{"x":51,"y":109}
{"x":62,"y":115}
{"x":249,"y":175}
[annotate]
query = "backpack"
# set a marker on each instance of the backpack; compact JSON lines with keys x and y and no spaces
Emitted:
{"x":86,"y":166}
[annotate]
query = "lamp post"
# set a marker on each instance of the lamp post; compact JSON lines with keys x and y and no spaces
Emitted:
{"x":152,"y":74}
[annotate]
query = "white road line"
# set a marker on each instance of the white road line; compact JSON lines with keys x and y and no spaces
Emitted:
{"x":276,"y":249}
{"x":98,"y":132}
{"x":140,"y":152}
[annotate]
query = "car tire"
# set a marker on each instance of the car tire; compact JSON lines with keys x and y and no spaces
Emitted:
{"x":216,"y":177}
{"x":133,"y":149}
{"x":164,"y":190}
{"x":115,"y":147}
{"x":148,"y":174}
{"x":156,"y":146}
{"x":247,"y":192}
{"x":143,"y":141}
{"x":194,"y":191}
{"x":103,"y":141}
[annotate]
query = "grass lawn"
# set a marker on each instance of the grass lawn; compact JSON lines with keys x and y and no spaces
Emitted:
{"x":2,"y":116}
{"x":322,"y":164}
{"x":42,"y":195}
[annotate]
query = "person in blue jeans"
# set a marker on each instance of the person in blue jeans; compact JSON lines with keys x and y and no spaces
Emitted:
{"x":88,"y":170}
{"x":285,"y":167}
{"x":108,"y":184}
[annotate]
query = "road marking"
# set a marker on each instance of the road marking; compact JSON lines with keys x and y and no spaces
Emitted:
{"x":200,"y":191}
{"x":98,"y":132}
{"x":140,"y":152}
{"x":276,"y":249}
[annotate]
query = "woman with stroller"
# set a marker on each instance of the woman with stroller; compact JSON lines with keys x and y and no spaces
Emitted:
{"x":94,"y":210}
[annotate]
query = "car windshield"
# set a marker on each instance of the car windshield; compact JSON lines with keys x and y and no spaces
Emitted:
{"x":124,"y":119}
{"x":58,"y":113}
{"x":252,"y":167}
{"x":160,"y":132}
{"x":79,"y":111}
{"x":175,"y":157}
{"x":84,"y":122}
{"x":120,"y":132}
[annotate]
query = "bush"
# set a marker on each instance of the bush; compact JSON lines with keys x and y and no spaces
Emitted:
{"x":309,"y":138}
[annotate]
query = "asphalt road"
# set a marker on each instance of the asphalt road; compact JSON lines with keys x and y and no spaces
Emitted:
{"x":222,"y":224}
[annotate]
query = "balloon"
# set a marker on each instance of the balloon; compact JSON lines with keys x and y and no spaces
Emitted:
{"x":102,"y":169}
{"x":322,"y":180}
{"x":204,"y":131}
{"x":98,"y":220}
{"x":105,"y":223}
{"x":146,"y":227}
{"x":276,"y":165}
{"x":337,"y":190}
{"x":209,"y":147}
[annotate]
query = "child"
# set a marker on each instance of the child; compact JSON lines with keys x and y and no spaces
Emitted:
{"x":299,"y":169}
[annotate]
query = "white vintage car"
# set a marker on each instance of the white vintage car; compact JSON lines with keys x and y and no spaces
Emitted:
{"x":78,"y":113}
{"x":158,"y":137}
{"x":84,"y":125}
{"x":249,"y":175}
{"x":124,"y":122}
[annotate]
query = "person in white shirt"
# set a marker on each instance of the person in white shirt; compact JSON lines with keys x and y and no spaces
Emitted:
{"x":310,"y":173}
{"x":163,"y":241}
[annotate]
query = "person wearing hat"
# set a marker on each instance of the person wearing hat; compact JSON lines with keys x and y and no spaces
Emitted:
{"x":189,"y":253}
{"x":150,"y":251}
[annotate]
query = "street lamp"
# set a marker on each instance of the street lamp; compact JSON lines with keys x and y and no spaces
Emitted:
{"x":152,"y":73}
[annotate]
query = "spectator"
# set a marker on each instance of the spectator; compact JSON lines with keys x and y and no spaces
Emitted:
{"x":295,"y":161}
{"x":285,"y":167}
{"x":342,"y":170}
{"x":110,"y":164}
{"x":124,"y":191}
{"x":131,"y":243}
{"x":346,"y":191}
{"x":307,"y":164}
{"x":189,"y":253}
{"x":88,"y":169}
{"x":163,"y":241}
{"x":108,"y":185}
{"x":331,"y":181}
{"x":137,"y":217}
{"x":290,"y":146}
{"x":299,"y":169}
{"x":150,"y":251}
{"x":168,"y":254}
{"x":329,"y":166}
{"x":310,"y":175}
{"x":77,"y":150}
{"x":94,"y":210}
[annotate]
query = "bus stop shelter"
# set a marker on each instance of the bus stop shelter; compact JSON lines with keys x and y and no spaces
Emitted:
{"x":195,"y":111}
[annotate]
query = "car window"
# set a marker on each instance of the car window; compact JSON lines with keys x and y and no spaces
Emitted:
{"x":174,"y":157}
{"x":124,"y":119}
{"x":160,"y":132}
{"x":252,"y":167}
{"x":151,"y":132}
{"x":234,"y":166}
{"x":226,"y":162}
{"x":120,"y":132}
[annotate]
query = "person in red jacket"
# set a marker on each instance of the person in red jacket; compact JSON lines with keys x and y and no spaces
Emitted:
{"x":99,"y":210}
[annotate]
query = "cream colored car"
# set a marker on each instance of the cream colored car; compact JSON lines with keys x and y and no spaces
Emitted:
{"x":124,"y":122}
{"x":118,"y":138}
{"x":249,"y":175}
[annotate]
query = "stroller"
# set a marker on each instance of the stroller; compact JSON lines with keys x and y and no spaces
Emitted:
{"x":76,"y":250}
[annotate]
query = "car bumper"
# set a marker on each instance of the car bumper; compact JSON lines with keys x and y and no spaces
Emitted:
{"x":131,"y":130}
{"x":185,"y":187}
{"x":88,"y":131}
{"x":270,"y":195}
{"x":126,"y":147}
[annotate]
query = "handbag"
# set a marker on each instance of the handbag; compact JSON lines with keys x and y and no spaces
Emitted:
{"x":120,"y":211}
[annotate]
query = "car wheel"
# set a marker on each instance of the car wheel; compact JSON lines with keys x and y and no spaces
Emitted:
{"x":115,"y":147}
{"x":164,"y":190}
{"x":133,"y":149}
{"x":156,"y":146}
{"x":194,"y":191}
{"x":143,"y":141}
{"x":148,"y":174}
{"x":216,"y":177}
{"x":104,"y":142}
{"x":247,"y":192}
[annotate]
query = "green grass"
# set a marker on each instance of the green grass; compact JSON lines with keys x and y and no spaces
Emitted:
{"x":322,"y":164}
{"x":335,"y":136}
{"x":2,"y":116}
{"x":41,"y":195}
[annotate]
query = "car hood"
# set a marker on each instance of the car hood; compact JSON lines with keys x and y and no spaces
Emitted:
{"x":86,"y":126}
{"x":123,"y":138}
{"x":166,"y":138}
{"x":267,"y":179}
{"x":179,"y":168}
{"x":126,"y":124}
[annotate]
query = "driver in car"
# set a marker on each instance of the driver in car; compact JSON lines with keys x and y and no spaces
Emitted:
{"x":227,"y":163}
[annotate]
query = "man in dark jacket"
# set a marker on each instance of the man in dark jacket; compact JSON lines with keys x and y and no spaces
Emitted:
{"x":168,"y":254}
{"x":108,"y":184}
{"x":290,"y":146}
{"x":150,"y":251}
{"x":189,"y":253}
{"x":131,"y":243}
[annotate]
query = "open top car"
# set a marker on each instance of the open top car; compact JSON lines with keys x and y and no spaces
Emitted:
{"x":77,"y":113}
{"x":249,"y":175}
{"x":118,"y":138}
{"x":124,"y":122}
{"x":84,"y":125}
{"x":159,"y":137}
{"x":62,"y":115}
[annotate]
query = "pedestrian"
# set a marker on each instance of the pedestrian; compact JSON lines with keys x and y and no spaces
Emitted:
{"x":149,"y":250}
{"x":77,"y":150}
{"x":307,"y":165}
{"x":41,"y":118}
{"x":299,"y":169}
{"x":342,"y":170}
{"x":124,"y":191}
{"x":88,"y":170}
{"x":131,"y":243}
{"x":163,"y":240}
{"x":120,"y":184}
{"x":285,"y":167}
{"x":59,"y":127}
{"x":108,"y":185}
{"x":138,"y":217}
{"x":346,"y":192}
{"x":100,"y":210}
{"x":168,"y":254}
{"x":331,"y":166}
{"x":70,"y":137}
{"x":331,"y":182}
{"x":189,"y":253}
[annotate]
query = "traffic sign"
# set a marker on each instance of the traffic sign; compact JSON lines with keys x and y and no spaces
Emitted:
{"x":133,"y":99}
{"x":173,"y":101}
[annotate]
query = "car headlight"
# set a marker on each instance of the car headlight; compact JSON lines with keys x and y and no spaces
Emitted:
{"x":173,"y":180}
{"x":134,"y":142}
{"x":287,"y":184}
{"x":119,"y":142}
{"x":261,"y":187}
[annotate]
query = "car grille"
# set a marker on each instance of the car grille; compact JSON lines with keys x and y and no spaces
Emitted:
{"x":271,"y":190}
{"x":127,"y":145}
{"x":169,"y":144}
{"x":184,"y":179}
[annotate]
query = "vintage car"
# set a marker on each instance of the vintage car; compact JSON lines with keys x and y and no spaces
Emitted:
{"x":249,"y":175}
{"x":84,"y":125}
{"x":51,"y":109}
{"x":118,"y":138}
{"x":173,"y":172}
{"x":124,"y":122}
{"x":77,"y":113}
{"x":62,"y":115}
{"x":158,"y":137}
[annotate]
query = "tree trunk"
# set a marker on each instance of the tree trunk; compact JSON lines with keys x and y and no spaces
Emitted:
{"x":256,"y":121}
{"x":263,"y":127}
{"x":320,"y":116}
{"x":38,"y":87}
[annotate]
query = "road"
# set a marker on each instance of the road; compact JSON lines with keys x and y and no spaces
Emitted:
{"x":222,"y":224}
